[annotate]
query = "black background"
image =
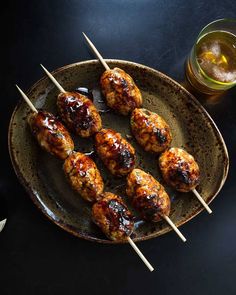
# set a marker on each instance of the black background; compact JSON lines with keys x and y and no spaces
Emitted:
{"x":36,"y":257}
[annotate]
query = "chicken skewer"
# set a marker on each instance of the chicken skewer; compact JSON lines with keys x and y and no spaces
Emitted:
{"x":181,"y":171}
{"x":150,"y":198}
{"x":153,"y":134}
{"x":80,"y":170}
{"x":119,"y":89}
{"x":77,"y":111}
{"x":116,"y":221}
{"x":82,"y":174}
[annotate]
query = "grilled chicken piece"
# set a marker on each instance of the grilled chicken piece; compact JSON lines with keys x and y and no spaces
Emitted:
{"x":116,"y":153}
{"x":51,"y":134}
{"x":113,"y":217}
{"x":147,"y":195}
{"x":120,"y":91}
{"x":179,"y":169}
{"x":84,"y":176}
{"x":79,"y":113}
{"x":150,"y":130}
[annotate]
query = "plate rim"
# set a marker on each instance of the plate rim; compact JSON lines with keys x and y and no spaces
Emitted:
{"x":60,"y":222}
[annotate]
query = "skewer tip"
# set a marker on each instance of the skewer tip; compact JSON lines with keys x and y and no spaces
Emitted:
{"x":27,"y":100}
{"x":95,"y":51}
{"x":20,"y":90}
{"x":45,"y":70}
{"x":174,"y":227}
{"x":196,"y":193}
{"x":209,"y":211}
{"x":140,"y":254}
{"x":60,"y":88}
{"x":86,"y":37}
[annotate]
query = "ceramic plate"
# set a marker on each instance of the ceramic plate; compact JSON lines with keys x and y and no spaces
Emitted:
{"x":191,"y":126}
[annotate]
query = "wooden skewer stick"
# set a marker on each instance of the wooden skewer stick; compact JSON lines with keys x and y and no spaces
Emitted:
{"x":50,"y":76}
{"x":140,"y":254}
{"x":168,"y":220}
{"x":202,"y":201}
{"x":95,"y":51}
{"x":27,"y":100}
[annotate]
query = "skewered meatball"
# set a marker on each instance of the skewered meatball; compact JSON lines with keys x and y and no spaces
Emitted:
{"x":120,"y":91}
{"x":179,"y":169}
{"x":116,"y":153}
{"x":84,"y":176}
{"x":51,"y":134}
{"x":79,"y":113}
{"x":150,"y":130}
{"x":113,"y":217}
{"x":148,"y":195}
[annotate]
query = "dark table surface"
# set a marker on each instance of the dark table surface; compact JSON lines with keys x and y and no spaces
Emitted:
{"x":36,"y":257}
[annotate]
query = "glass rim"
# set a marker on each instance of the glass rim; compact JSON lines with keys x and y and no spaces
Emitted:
{"x":195,"y":56}
{"x":216,"y":21}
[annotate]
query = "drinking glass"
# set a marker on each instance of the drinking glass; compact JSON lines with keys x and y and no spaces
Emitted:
{"x":211,"y":65}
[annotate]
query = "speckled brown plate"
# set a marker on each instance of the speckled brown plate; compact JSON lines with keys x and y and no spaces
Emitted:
{"x":191,"y":126}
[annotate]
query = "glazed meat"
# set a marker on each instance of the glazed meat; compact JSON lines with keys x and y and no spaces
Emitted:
{"x":116,"y":153}
{"x":84,"y":176}
{"x":150,"y":130}
{"x":51,"y":134}
{"x":79,"y":113}
{"x":120,"y":91}
{"x":147,"y":195}
{"x":179,"y":169}
{"x":113,"y":217}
